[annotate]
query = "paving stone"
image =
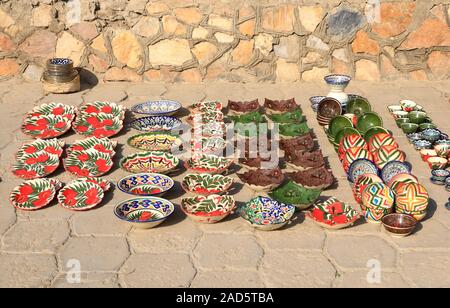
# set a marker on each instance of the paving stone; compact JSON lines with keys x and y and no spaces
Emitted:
{"x":227,"y":279}
{"x":53,"y":212}
{"x":7,"y":215}
{"x":27,"y":271}
{"x":112,"y":92}
{"x":153,"y":89}
{"x":98,"y":222}
{"x":216,"y":251}
{"x":426,"y":269}
{"x":356,"y":251}
{"x":36,"y":236}
{"x":95,"y":254}
{"x":87,"y":280}
{"x":359,"y":279}
{"x":157,"y":271}
{"x":289,"y":269}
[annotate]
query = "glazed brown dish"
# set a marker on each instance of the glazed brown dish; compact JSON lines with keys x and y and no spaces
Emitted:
{"x":262,"y":177}
{"x":306,"y":160}
{"x":253,"y":162}
{"x":244,"y":106}
{"x":317,"y":177}
{"x":287,"y":105}
{"x":297,"y":144}
{"x":252,"y":149}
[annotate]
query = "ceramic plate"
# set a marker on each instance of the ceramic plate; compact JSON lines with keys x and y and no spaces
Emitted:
{"x":208,"y":209}
{"x":211,"y":164}
{"x":144,"y":212}
{"x":206,"y":184}
{"x":412,"y":197}
{"x":162,"y":107}
{"x":154,"y":161}
{"x":49,"y":146}
{"x":36,"y":165}
{"x":34,"y":194}
{"x":360,"y":167}
{"x":353,"y":154}
{"x":145,"y":184}
{"x":381,"y":139}
{"x":100,"y":126}
{"x":104,"y":184}
{"x":53,"y":109}
{"x":103,"y":108}
{"x":266,"y":214}
{"x":386,"y":154}
{"x":156,"y":123}
{"x":202,"y":107}
{"x":208,"y":145}
{"x":46,"y":126}
{"x":207,"y":117}
{"x":333,"y":214}
{"x":103,"y":145}
{"x":89,"y":163}
{"x":155,"y":141}
{"x":80,"y":195}
{"x":393,"y":168}
{"x":213,"y":129}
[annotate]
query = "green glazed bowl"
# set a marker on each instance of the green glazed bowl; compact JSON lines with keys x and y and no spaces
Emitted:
{"x":368,"y":120}
{"x":417,"y":117}
{"x":338,"y":123}
{"x":400,"y":121}
{"x":425,"y":126}
{"x":409,"y":128}
{"x":344,"y":132}
{"x":358,"y":105}
{"x":373,"y":131}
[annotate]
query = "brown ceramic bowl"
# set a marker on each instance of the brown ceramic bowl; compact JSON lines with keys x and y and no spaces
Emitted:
{"x":329,"y":108}
{"x":399,"y":225}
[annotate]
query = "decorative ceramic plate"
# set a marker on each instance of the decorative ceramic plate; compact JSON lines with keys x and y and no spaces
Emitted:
{"x":155,"y":141}
{"x":360,"y":167}
{"x":211,"y":164}
{"x":208,"y":145}
{"x":156,"y":123}
{"x":202,"y":107}
{"x":380,"y":140}
{"x":213,"y":129}
{"x":153,"y":162}
{"x":144,"y":212}
{"x":412,"y":197}
{"x":393,"y":168}
{"x":53,"y":109}
{"x":162,"y":107}
{"x":104,"y":184}
{"x":333,"y":214}
{"x":266,"y":214}
{"x":145,"y":184}
{"x":361,"y":184}
{"x":80,"y":195}
{"x":46,"y":126}
{"x":208,"y":209}
{"x":34,"y":194}
{"x":207,"y":117}
{"x":89,"y":163}
{"x":36,"y":165}
{"x":387,"y":154}
{"x":351,"y":141}
{"x":378,"y":196}
{"x":353,"y":154}
{"x":103,"y":145}
{"x":100,"y":126}
{"x":401,"y":178}
{"x":206,"y":184}
{"x":103,"y":108}
{"x":49,"y":146}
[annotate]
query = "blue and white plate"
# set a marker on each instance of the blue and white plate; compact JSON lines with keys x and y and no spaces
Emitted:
{"x":157,"y":123}
{"x":153,"y":108}
{"x":393,"y":168}
{"x":360,"y":167}
{"x":145,"y":184}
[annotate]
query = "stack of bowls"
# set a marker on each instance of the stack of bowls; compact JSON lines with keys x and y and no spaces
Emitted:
{"x":327,"y":109}
{"x":60,"y":70}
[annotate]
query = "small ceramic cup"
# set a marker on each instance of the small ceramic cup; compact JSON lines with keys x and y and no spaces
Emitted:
{"x":440,"y":175}
{"x":409,"y":128}
{"x":408,"y":105}
{"x":414,"y":137}
{"x":393,"y":108}
{"x":400,"y":121}
{"x":400,"y":114}
{"x":421,"y":144}
{"x":437,"y":162}
{"x":425,"y":126}
{"x":417,"y":117}
{"x":427,"y":153}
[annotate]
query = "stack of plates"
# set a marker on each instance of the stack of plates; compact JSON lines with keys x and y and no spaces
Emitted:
{"x":60,"y":70}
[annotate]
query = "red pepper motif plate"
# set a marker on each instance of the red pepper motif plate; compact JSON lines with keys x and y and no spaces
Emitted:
{"x":34,"y":194}
{"x":100,"y":126}
{"x":48,"y":121}
{"x":50,"y":146}
{"x":103,"y":145}
{"x":89,"y":163}
{"x":98,"y":108}
{"x":104,"y":184}
{"x":35,"y":165}
{"x":80,"y":195}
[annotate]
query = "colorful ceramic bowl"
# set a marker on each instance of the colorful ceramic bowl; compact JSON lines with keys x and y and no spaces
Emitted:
{"x":145,"y":184}
{"x":156,"y":123}
{"x":400,"y":179}
{"x":381,"y":139}
{"x":80,"y":195}
{"x":427,"y":153}
{"x":378,"y":201}
{"x":36,"y":165}
{"x":337,"y":80}
{"x":102,"y":108}
{"x":144,"y":212}
{"x":361,"y":183}
{"x":400,"y":121}
{"x":208,"y":209}
{"x":351,"y":141}
{"x":333,"y":214}
{"x":358,"y":105}
{"x":399,"y":225}
{"x":422,"y":144}
{"x":46,"y":126}
{"x":49,"y":146}
{"x":157,"y":108}
{"x":368,"y":120}
{"x":266,"y":214}
{"x":411,"y":198}
{"x":386,"y":154}
{"x":208,"y":145}
{"x":346,"y":131}
{"x":400,"y":114}
{"x":153,"y":162}
{"x":375,"y":131}
{"x":360,"y":167}
{"x":155,"y":141}
{"x":393,"y":168}
{"x":202,"y":107}
{"x":88,"y":163}
{"x":206,"y":184}
{"x":440,"y":175}
{"x":393,"y":108}
{"x":414,"y":137}
{"x":437,"y":162}
{"x":442,"y":148}
{"x":408,"y":105}
{"x":424,"y":126}
{"x":34,"y":194}
{"x":103,"y":145}
{"x":432,"y":135}
{"x":211,"y":164}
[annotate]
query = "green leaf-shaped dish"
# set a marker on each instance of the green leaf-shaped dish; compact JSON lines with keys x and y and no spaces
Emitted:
{"x":292,"y":193}
{"x":294,"y":130}
{"x":252,"y":117}
{"x":288,"y":117}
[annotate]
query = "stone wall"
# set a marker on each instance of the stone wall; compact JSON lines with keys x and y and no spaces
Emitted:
{"x":242,"y":41}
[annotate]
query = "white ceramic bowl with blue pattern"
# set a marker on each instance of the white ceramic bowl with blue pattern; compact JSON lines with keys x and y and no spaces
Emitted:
{"x":337,"y":80}
{"x":155,"y":108}
{"x":156,"y":124}
{"x":145,"y":184}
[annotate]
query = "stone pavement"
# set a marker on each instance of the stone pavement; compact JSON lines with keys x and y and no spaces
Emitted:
{"x":37,"y":247}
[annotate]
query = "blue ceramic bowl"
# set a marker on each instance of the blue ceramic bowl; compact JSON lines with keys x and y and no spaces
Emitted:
{"x":152,"y":108}
{"x":440,"y":174}
{"x":432,"y":135}
{"x":422,"y":144}
{"x":336,"y":79}
{"x":414,"y":137}
{"x":156,"y":123}
{"x":359,"y":167}
{"x":393,"y":168}
{"x":315,"y":100}
{"x":145,"y":184}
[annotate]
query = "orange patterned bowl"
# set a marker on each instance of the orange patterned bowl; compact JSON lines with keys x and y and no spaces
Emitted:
{"x":387,"y":154}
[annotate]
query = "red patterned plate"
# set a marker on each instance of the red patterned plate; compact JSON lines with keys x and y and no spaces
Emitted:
{"x":46,"y":126}
{"x":89,"y":163}
{"x":387,"y":154}
{"x":36,"y":165}
{"x":50,"y":146}
{"x":80,"y":195}
{"x":34,"y":194}
{"x":100,"y":126}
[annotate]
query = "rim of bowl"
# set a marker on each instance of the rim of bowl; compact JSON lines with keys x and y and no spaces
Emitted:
{"x":143,"y":198}
{"x":383,"y":220}
{"x":145,"y":173}
{"x":346,"y":78}
{"x":133,"y":109}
